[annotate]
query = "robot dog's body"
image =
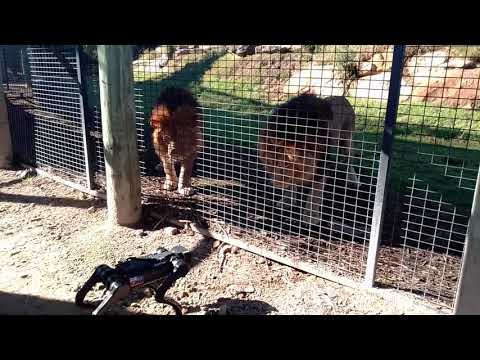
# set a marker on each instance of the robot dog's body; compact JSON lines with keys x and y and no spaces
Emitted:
{"x":163,"y":267}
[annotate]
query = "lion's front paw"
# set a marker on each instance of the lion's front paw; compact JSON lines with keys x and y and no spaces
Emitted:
{"x":185,"y":191}
{"x":169,"y":185}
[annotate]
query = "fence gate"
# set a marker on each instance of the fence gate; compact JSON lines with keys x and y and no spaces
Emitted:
{"x":60,"y":130}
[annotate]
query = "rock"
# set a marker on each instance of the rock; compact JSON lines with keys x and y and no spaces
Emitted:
{"x":23,"y":174}
{"x":377,"y":87}
{"x":367,"y":51}
{"x":211,"y":48}
{"x":170,"y":231}
{"x":216,"y":244}
{"x":249,"y":290}
{"x":383,"y":60}
{"x":245,"y":50}
{"x":261,"y":260}
{"x":331,"y":293}
{"x":91,"y":209}
{"x":367,"y":68}
{"x":461,"y":63}
{"x":231,"y":48}
{"x":24,"y":276}
{"x":318,"y":79}
{"x":457,"y":88}
{"x":378,"y":61}
{"x":183,"y":51}
{"x":422,"y":65}
{"x":201,"y":312}
{"x":272,"y":49}
{"x":151,"y":65}
{"x":431,"y":59}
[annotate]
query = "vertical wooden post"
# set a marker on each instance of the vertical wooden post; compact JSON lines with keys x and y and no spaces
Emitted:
{"x":468,"y":293}
{"x":6,"y":155}
{"x":119,"y":134}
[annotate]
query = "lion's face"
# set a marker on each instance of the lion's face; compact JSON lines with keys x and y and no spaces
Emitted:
{"x":289,"y":163}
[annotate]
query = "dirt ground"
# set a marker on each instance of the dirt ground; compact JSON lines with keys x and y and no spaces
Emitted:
{"x":52,"y":237}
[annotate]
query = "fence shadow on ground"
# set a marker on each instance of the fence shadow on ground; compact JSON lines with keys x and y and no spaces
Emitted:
{"x":50,"y":201}
{"x":20,"y":304}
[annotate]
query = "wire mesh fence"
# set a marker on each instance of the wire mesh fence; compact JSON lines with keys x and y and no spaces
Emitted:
{"x":434,"y":170}
{"x":291,"y":138}
{"x":254,"y":177}
{"x":59,"y":129}
{"x":272,"y":199}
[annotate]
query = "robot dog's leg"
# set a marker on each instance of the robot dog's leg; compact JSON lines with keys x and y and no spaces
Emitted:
{"x":167,"y":284}
{"x":115,"y":293}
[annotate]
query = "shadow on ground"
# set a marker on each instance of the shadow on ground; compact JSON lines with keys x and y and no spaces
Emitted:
{"x":49,"y":201}
{"x":19,"y":304}
{"x":236,"y":307}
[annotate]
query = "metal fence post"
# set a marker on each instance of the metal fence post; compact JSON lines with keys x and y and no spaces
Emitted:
{"x":468,"y":292}
{"x":4,"y":68}
{"x":384,"y":166}
{"x":86,"y":122}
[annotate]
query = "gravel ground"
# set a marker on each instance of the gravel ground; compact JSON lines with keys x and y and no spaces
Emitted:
{"x":52,"y":237}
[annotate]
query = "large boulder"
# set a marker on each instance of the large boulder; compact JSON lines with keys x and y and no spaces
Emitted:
{"x":383,"y":61}
{"x":272,"y":49}
{"x":423,"y":65}
{"x":461,"y":63}
{"x":244,"y":50}
{"x":457,"y":88}
{"x":152,"y":65}
{"x":367,"y":68}
{"x":185,"y":49}
{"x":317,"y":79}
{"x":377,"y":87}
{"x":366,"y":52}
